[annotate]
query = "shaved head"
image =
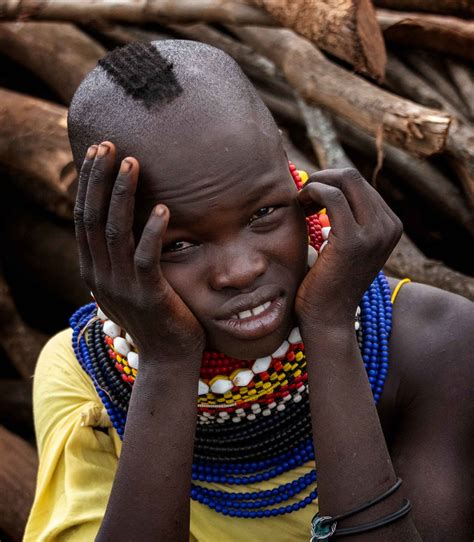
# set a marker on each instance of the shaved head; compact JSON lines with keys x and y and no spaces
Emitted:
{"x":168,"y":92}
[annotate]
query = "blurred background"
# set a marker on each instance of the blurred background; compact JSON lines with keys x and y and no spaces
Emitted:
{"x":387,"y":88}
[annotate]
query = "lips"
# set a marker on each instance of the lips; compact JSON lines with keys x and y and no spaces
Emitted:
{"x":254,"y":324}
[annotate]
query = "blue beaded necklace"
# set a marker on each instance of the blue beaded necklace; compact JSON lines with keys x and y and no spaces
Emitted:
{"x":376,"y":322}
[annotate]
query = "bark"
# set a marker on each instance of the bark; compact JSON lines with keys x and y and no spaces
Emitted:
{"x":457,"y":7}
{"x":16,"y":408}
{"x":45,"y":250}
{"x":403,"y":123}
{"x":460,"y":147}
{"x":415,"y":173}
{"x":463,"y":78}
{"x":300,"y":160}
{"x":21,"y":343}
{"x":431,"y":69}
{"x":17,"y":483}
{"x":117,"y":34}
{"x":34,"y":150}
{"x":404,"y":81}
{"x":438,"y":32}
{"x":59,"y":54}
{"x":137,"y":11}
{"x":323,"y":137}
{"x":408,"y":261}
{"x":348,"y":30}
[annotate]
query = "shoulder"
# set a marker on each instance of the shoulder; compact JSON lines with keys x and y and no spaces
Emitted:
{"x":61,"y":388}
{"x":432,"y":341}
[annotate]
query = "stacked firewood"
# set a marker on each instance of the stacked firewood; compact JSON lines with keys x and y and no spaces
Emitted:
{"x":388,"y":89}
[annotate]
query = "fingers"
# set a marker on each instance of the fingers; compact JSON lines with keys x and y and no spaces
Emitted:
{"x":119,"y":227}
{"x":96,"y":204}
{"x":362,"y":198}
{"x":148,"y":251}
{"x":85,"y":259}
{"x":316,"y":195}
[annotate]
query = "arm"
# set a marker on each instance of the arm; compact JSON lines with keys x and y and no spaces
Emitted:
{"x":152,"y":484}
{"x":352,"y":460}
{"x":432,"y":448}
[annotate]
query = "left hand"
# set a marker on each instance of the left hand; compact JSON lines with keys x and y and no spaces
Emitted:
{"x":364,"y":231}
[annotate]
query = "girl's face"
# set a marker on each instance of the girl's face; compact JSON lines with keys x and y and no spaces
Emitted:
{"x":236,"y":246}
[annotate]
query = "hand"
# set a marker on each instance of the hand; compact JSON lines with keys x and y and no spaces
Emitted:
{"x":364,"y":231}
{"x":127,"y":281}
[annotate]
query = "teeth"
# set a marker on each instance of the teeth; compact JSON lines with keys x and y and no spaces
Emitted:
{"x":252,"y":312}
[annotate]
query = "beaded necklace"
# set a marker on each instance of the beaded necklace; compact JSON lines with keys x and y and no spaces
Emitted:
{"x":253,"y":420}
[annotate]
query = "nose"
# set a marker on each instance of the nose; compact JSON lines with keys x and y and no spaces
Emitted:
{"x":236,"y":266}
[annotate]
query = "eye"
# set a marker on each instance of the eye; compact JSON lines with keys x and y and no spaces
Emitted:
{"x":262,"y":212}
{"x":177,"y":246}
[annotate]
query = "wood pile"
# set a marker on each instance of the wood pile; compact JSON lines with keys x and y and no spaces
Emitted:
{"x":387,"y":88}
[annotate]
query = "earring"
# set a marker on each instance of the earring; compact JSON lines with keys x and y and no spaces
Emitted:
{"x":312,"y":256}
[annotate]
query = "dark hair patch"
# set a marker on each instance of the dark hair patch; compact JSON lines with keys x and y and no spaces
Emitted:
{"x":143,"y":73}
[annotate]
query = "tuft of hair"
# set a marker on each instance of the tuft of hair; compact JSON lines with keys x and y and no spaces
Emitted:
{"x":143,"y":73}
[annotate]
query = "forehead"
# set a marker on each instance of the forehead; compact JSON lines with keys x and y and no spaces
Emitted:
{"x":224,"y":166}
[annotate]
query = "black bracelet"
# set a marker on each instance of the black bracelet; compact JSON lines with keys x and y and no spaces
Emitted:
{"x":377,"y":523}
{"x":325,"y":527}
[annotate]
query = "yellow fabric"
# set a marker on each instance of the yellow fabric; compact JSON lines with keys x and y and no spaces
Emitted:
{"x":397,"y":289}
{"x":78,"y":463}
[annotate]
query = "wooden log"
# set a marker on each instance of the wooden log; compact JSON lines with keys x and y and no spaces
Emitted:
{"x":404,"y":81}
{"x":58,"y":53}
{"x":34,"y":149}
{"x":16,"y":409}
{"x":431,"y":69}
{"x":137,"y":11}
{"x":408,"y":261}
{"x":294,"y":154}
{"x":45,"y":250}
{"x":463,"y":79}
{"x":17,"y":483}
{"x":348,"y":30}
{"x":323,"y":137}
{"x":21,"y":343}
{"x":460,"y":147}
{"x":439,"y":32}
{"x":415,"y":173}
{"x":456,"y":7}
{"x":403,"y":123}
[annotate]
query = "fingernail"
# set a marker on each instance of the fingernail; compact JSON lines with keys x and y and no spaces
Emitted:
{"x":125,"y":166}
{"x":91,"y":152}
{"x":103,"y":150}
{"x":159,"y":210}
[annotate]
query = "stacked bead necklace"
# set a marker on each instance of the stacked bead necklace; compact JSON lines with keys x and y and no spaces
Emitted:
{"x":253,"y":416}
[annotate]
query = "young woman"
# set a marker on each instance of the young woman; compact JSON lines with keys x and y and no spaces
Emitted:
{"x":230,"y":359}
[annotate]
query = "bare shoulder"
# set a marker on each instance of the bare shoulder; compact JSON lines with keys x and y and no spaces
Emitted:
{"x":432,"y":343}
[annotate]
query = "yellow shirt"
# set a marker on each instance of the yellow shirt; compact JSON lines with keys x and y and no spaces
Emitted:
{"x":78,"y":463}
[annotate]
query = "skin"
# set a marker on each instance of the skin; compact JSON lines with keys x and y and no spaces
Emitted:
{"x":191,"y":249}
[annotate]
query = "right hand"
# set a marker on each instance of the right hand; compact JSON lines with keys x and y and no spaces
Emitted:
{"x":127,"y":281}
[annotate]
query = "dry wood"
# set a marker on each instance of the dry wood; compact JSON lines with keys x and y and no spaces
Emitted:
{"x":463,"y":78}
{"x":21,"y":343}
{"x":438,"y":32}
{"x":16,"y":409}
{"x":408,"y":261}
{"x":347,"y":29}
{"x":415,"y":173}
{"x":137,"y":11}
{"x":430,"y":68}
{"x":457,"y":7}
{"x":17,"y":483}
{"x":34,"y":149}
{"x":402,"y":80}
{"x":300,"y":160}
{"x":407,"y":125}
{"x":45,"y":250}
{"x":58,"y":53}
{"x":460,"y":146}
{"x":323,"y":137}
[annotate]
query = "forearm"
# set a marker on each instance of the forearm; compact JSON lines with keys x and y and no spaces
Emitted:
{"x":151,"y":492}
{"x":352,"y":459}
